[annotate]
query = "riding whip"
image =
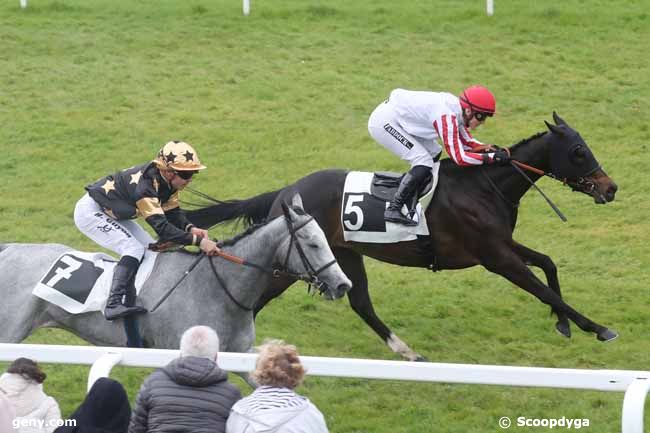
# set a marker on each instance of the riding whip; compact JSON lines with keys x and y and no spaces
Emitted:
{"x":169,"y":292}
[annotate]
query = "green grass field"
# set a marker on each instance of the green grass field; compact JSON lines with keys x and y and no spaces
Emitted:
{"x":89,"y":87}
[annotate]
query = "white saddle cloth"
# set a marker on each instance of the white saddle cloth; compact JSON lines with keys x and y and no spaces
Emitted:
{"x":80,"y":282}
{"x":362,"y":214}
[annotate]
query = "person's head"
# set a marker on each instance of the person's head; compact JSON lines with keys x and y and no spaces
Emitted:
{"x":28,"y":369}
{"x":278,"y":365}
{"x":105,"y":409}
{"x":478,"y":103}
{"x":178,"y":162}
{"x":201,"y":341}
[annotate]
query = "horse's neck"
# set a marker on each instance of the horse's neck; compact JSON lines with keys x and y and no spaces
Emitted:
{"x":533,"y":153}
{"x":260,"y":246}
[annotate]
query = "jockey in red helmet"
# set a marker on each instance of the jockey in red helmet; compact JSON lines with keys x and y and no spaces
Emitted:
{"x":416,"y":125}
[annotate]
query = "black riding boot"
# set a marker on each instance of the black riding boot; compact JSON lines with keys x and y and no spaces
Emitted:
{"x":123,"y":277}
{"x":407,"y":188}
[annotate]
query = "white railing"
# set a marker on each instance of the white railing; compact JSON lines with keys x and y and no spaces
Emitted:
{"x":246,"y":6}
{"x":635,"y":384}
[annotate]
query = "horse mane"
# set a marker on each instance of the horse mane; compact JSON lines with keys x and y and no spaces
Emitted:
{"x":254,"y":227}
{"x":526,"y":140}
{"x":251,"y":229}
{"x":452,"y":169}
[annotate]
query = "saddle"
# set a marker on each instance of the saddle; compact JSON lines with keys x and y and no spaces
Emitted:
{"x":385,"y":183}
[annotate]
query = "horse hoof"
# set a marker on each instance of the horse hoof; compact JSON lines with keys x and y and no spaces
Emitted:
{"x":420,"y":358}
{"x":607,"y":335}
{"x":563,"y":329}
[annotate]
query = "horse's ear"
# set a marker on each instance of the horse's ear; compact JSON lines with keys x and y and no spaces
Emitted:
{"x":554,"y":129}
{"x":286,"y":211}
{"x":296,"y":201}
{"x":558,"y":120}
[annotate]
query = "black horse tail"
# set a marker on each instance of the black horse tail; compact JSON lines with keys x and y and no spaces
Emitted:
{"x":253,"y":210}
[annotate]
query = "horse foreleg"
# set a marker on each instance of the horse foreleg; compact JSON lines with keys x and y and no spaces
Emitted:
{"x":510,"y":266}
{"x":352,"y":265}
{"x":545,"y":263}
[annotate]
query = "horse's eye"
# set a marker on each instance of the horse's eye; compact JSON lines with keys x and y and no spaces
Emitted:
{"x":579,"y":155}
{"x":313,"y":245}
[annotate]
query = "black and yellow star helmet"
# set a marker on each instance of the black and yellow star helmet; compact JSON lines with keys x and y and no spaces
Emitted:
{"x":179,"y":156}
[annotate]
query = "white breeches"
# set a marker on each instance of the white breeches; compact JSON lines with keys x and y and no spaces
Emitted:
{"x":385,"y":129}
{"x":125,"y":237}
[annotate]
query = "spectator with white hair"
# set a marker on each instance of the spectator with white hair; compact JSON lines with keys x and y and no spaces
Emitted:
{"x":275,"y":407}
{"x":190,"y":394}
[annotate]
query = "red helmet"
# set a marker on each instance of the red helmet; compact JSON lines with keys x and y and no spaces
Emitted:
{"x":478,"y":98}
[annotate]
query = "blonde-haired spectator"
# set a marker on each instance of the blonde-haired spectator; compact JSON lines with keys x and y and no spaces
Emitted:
{"x":22,"y":384}
{"x":275,"y":407}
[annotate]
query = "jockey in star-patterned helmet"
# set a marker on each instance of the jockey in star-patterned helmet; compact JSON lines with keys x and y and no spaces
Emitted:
{"x":150,"y":191}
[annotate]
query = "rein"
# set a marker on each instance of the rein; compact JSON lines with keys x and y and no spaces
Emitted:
{"x":310,"y":276}
{"x":580,"y":183}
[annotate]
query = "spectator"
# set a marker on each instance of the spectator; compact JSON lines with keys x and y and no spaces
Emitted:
{"x":22,"y":384}
{"x":105,"y":410}
{"x":274,"y":407}
{"x":190,"y":394}
{"x":7,"y":415}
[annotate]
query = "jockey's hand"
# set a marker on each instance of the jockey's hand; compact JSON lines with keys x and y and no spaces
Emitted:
{"x":200,"y":232}
{"x":501,"y":157}
{"x":209,"y":247}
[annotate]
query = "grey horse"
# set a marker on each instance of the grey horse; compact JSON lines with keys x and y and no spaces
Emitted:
{"x":216,"y":293}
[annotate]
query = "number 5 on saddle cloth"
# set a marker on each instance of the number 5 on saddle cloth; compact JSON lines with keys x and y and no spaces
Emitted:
{"x":365,"y":198}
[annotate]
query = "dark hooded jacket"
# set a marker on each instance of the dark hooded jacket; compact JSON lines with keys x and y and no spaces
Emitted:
{"x":105,"y":410}
{"x":189,"y":395}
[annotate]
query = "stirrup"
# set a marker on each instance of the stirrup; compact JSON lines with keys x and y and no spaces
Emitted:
{"x":115,"y":312}
{"x":395,"y":216}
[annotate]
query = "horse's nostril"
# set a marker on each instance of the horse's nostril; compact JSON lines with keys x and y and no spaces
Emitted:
{"x":342,"y":289}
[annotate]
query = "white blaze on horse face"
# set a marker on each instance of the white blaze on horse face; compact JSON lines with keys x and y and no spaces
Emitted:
{"x":398,"y":346}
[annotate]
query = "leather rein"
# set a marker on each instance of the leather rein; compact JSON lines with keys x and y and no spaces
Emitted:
{"x":310,"y":275}
{"x":580,"y":184}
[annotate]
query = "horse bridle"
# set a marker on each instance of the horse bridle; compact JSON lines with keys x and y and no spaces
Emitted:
{"x":580,"y":184}
{"x":310,"y":276}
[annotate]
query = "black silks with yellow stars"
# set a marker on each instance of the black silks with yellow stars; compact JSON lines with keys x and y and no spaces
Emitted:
{"x":142,"y":191}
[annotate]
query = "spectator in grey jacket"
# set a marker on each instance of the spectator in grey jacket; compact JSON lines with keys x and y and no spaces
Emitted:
{"x":191,"y":394}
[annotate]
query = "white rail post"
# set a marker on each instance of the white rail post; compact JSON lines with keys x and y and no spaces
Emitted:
{"x":247,"y":7}
{"x":633,"y":404}
{"x":102,"y":367}
{"x":23,"y":4}
{"x":490,"y":7}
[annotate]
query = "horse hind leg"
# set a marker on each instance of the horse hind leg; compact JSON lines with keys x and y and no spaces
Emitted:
{"x":546,"y":264}
{"x":22,"y":318}
{"x":352,"y":265}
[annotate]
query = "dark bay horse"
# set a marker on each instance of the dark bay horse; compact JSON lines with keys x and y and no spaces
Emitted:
{"x":471,"y":220}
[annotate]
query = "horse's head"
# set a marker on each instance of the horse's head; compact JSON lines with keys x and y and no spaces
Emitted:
{"x":571,"y":160}
{"x":309,"y":252}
